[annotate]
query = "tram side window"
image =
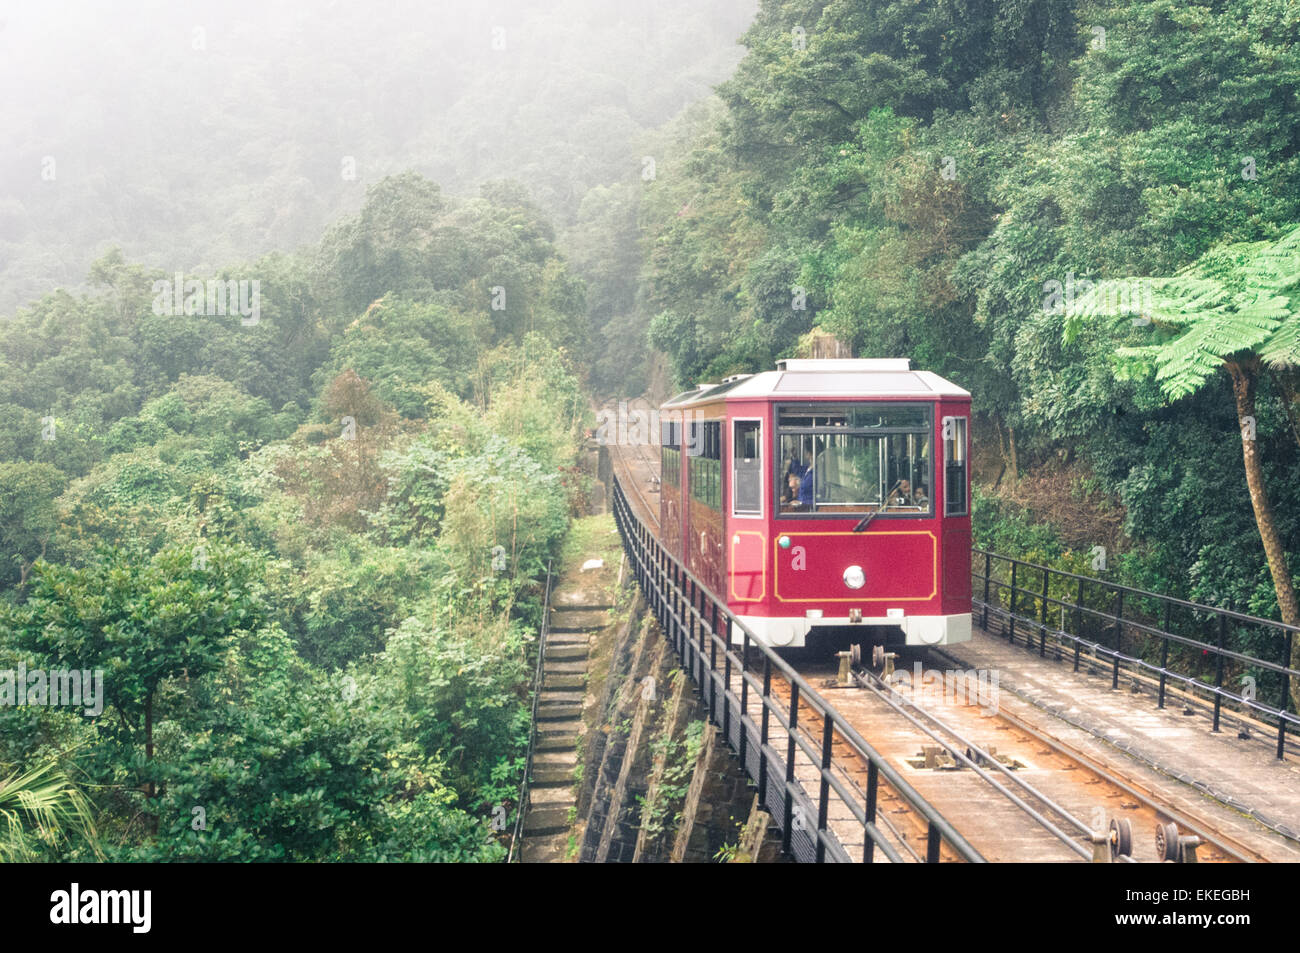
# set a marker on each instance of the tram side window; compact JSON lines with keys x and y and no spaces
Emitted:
{"x":706,"y":468}
{"x":954,"y":466}
{"x":747,"y":468}
{"x":670,"y":453}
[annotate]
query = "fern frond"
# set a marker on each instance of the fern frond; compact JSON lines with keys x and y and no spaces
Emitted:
{"x":1274,"y":266}
{"x":1283,"y":348}
{"x":1188,"y":360}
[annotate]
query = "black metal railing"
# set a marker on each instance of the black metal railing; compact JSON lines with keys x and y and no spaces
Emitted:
{"x":798,"y":776}
{"x":1212,"y":654}
{"x":521,"y":804}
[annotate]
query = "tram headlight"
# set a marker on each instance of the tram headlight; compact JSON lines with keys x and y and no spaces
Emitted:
{"x":854,"y":577}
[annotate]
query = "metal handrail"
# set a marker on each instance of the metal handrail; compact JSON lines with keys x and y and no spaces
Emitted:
{"x":1115,"y":621}
{"x":691,"y":615}
{"x":521,"y":804}
{"x":1143,"y":593}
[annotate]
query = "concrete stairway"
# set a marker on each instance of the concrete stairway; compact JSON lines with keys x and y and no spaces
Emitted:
{"x":552,"y":799}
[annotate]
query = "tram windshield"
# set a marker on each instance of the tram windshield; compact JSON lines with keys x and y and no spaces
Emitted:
{"x":858,"y":458}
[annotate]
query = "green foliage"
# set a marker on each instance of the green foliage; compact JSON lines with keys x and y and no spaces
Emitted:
{"x":39,"y":809}
{"x":678,"y":756}
{"x":402,"y":346}
{"x":1002,"y":529}
{"x":313,"y":630}
{"x":939,"y":180}
{"x":27,"y":515}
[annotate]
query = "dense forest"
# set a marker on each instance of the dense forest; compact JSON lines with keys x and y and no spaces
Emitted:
{"x":306,"y":540}
{"x":306,"y":553}
{"x":945,"y":181}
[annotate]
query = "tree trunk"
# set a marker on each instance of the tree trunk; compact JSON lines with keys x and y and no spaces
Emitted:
{"x":148,"y":753}
{"x":1245,"y":375}
{"x":1015,"y":462}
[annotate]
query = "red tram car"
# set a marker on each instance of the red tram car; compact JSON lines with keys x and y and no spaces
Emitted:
{"x":827,"y":501}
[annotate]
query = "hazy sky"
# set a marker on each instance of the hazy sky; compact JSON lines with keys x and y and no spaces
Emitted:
{"x":193,"y":133}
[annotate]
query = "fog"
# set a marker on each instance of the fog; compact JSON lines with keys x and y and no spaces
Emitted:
{"x":195,"y":135}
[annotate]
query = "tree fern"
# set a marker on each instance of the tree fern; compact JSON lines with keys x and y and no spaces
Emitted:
{"x":1237,"y":299}
{"x":1235,"y":308}
{"x":1186,"y":362}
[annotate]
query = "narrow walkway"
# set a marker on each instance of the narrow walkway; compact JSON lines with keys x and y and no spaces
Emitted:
{"x":552,"y":799}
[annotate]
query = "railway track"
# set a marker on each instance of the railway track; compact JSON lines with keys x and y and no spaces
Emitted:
{"x":1014,"y":793}
{"x":1056,"y":787}
{"x":1193,"y":697}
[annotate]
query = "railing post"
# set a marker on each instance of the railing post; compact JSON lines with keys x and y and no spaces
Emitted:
{"x":789,"y":766}
{"x":1218,"y":677}
{"x":726,"y":693}
{"x":1042,"y":612}
{"x":988,"y":572}
{"x":932,"y":845}
{"x":1078,"y":620}
{"x":713,"y":663}
{"x":1011,"y":611}
{"x":1119,"y":635}
{"x":763,"y":733}
{"x":744,"y":702}
{"x":675,"y":612}
{"x":823,"y":800}
{"x":690,"y":630}
{"x":1042,"y":615}
{"x":1164,"y":656}
{"x":1286,"y":699}
{"x":700,"y":637}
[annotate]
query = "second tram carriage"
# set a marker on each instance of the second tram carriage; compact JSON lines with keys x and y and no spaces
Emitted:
{"x":827,"y":501}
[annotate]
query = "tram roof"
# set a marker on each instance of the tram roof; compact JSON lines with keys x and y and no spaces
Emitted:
{"x":831,"y":377}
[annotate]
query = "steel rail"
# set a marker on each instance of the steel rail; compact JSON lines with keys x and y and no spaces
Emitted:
{"x":891,"y":697}
{"x":1184,"y":821}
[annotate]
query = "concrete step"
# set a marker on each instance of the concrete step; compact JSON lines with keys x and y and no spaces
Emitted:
{"x":568,"y":728}
{"x":549,"y":699}
{"x":579,"y":638}
{"x":556,"y":760}
{"x":566,"y":743}
{"x":541,"y":798}
{"x":572,"y":695}
{"x":559,"y":713}
{"x":545,"y":850}
{"x":566,"y":653}
{"x":570,"y":602}
{"x":551,"y":777}
{"x":547,"y":821}
{"x":565,"y":667}
{"x":562,"y":682}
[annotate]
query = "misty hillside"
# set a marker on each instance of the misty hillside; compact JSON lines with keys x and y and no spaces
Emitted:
{"x":196,"y":137}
